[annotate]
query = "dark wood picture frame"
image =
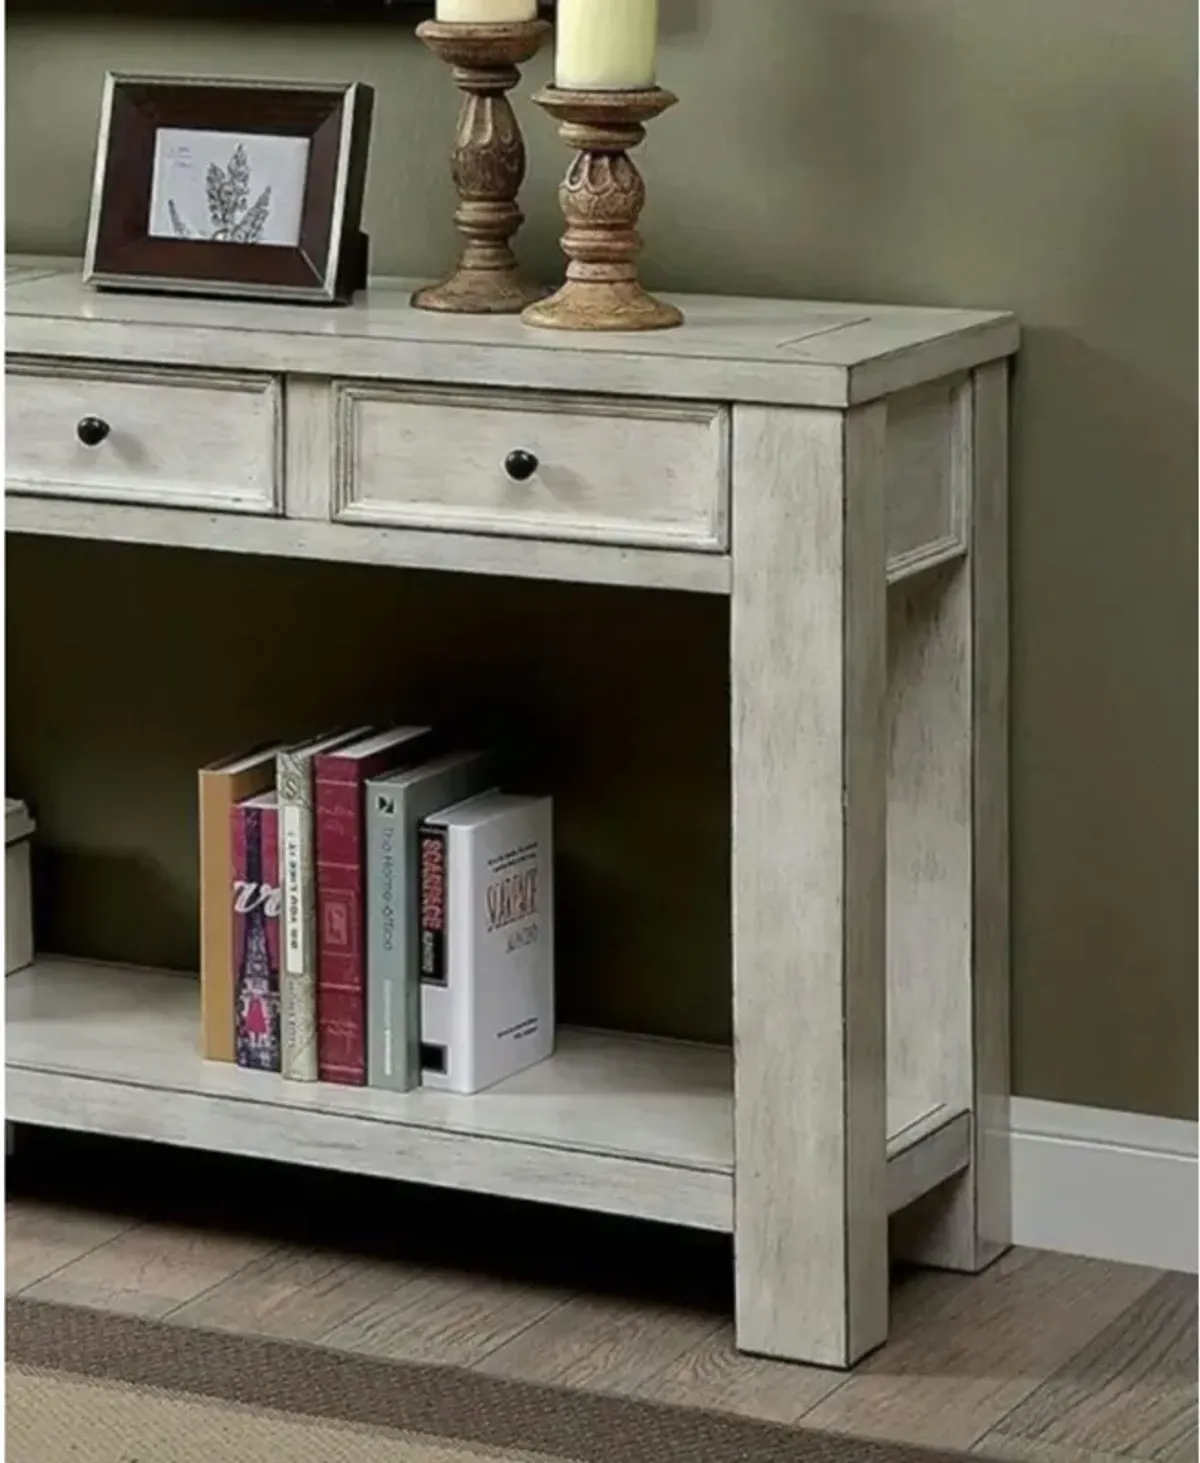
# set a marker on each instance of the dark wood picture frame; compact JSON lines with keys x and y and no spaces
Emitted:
{"x":327,"y":263}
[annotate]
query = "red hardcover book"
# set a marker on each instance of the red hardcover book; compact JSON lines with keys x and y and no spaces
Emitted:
{"x":256,"y":904}
{"x":339,"y":779}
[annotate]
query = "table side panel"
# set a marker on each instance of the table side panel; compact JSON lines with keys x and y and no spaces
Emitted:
{"x":928,"y":476}
{"x":948,"y":858}
{"x":990,"y":1211}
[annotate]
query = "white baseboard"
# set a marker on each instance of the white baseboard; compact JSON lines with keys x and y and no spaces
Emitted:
{"x":1112,"y":1185}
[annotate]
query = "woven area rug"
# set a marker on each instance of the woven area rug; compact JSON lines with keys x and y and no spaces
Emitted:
{"x":87,"y":1386}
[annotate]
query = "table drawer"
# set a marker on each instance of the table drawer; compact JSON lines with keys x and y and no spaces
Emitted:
{"x":184,"y":439}
{"x":607,"y":470}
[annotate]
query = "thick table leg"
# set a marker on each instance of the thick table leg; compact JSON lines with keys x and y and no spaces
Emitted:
{"x":948,"y":851}
{"x":809,"y":798}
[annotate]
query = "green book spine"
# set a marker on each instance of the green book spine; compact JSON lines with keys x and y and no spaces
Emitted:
{"x":396,"y":805}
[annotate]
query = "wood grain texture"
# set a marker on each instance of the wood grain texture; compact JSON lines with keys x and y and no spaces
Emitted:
{"x":519,"y":1170}
{"x":148,"y":1270}
{"x":948,"y":856}
{"x":625,"y":1125}
{"x":189,"y":439}
{"x":606,"y":1344}
{"x":395,"y":548}
{"x":936,"y":1149}
{"x":609,"y":551}
{"x":638,"y":1098}
{"x":452,"y":1319}
{"x":608,"y":471}
{"x":966,"y":1354}
{"x":985,"y":1212}
{"x":380,"y":1308}
{"x":1099,"y":1358}
{"x":928,"y":476}
{"x":929,"y":837}
{"x":1131,"y":1392}
{"x":809,"y":765}
{"x":715,"y":1374}
{"x":1015,"y":1450}
{"x":487,"y":163}
{"x":794,"y":353}
{"x":309,"y":449}
{"x":296,"y":1294}
{"x":134,"y":1034}
{"x":602,"y":196}
{"x":41,"y":1238}
{"x":19,"y":268}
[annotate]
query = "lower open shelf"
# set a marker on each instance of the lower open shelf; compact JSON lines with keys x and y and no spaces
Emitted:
{"x":623,"y":1124}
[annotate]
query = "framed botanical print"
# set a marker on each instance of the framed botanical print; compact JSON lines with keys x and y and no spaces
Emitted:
{"x":230,"y":187}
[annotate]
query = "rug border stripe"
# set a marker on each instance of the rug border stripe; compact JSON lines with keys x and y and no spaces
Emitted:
{"x":447,"y":1403}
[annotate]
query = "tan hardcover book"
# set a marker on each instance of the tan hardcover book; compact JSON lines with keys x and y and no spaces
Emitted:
{"x":221,"y":785}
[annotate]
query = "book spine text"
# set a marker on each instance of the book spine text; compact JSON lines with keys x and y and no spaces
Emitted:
{"x":433,"y":905}
{"x":393,"y":993}
{"x":341,"y":983}
{"x":298,"y":978}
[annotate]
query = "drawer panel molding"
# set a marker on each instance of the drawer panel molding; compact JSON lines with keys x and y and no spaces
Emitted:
{"x":928,"y":465}
{"x":138,"y":434}
{"x":604,"y":470}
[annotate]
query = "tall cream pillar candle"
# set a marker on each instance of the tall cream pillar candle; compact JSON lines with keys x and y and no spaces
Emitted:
{"x":485,"y":12}
{"x":605,"y":45}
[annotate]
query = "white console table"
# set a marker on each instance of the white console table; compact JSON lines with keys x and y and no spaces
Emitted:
{"x":839,"y":472}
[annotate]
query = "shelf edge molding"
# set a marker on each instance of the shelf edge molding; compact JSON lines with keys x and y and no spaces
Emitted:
{"x":502,"y":1167}
{"x":467,"y":553}
{"x":74,"y":1062}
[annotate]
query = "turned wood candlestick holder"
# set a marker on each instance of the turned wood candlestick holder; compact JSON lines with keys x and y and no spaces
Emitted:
{"x":487,"y":163}
{"x":602,"y":196}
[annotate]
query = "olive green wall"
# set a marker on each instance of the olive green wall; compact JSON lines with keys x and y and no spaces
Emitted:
{"x":1035,"y":154}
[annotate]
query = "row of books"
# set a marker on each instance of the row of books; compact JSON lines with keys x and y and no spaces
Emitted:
{"x":375,"y":911}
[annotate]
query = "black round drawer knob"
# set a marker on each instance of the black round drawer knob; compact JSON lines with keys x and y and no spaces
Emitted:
{"x":91,"y":431}
{"x":520,"y":465}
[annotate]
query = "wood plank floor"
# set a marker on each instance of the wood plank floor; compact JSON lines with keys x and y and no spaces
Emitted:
{"x":1046,"y":1358}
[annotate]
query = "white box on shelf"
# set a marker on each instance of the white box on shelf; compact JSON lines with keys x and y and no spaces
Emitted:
{"x":18,"y":896}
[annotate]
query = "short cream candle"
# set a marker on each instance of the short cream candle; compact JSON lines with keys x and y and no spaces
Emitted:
{"x":485,"y":12}
{"x":605,"y":45}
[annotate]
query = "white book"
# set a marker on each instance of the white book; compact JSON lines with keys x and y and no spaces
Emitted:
{"x":486,"y":883}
